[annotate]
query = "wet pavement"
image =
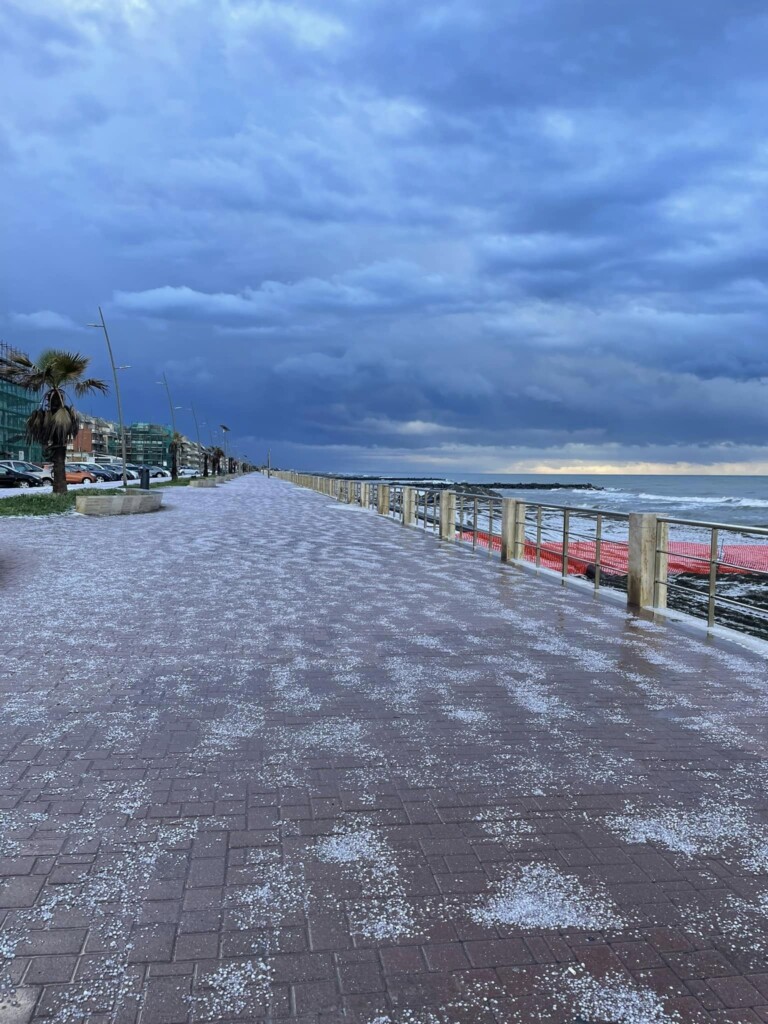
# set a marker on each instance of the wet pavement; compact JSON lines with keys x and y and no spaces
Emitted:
{"x":269,"y":758}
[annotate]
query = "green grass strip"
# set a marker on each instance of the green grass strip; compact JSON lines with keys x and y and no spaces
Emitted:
{"x":30,"y":504}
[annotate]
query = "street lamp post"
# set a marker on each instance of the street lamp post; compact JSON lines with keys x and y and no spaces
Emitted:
{"x":103,"y":325}
{"x":226,"y":444}
{"x":173,"y":408}
{"x":197,"y":431}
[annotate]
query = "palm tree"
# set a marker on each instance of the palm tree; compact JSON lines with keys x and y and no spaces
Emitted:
{"x":217,"y":454}
{"x":55,"y":421}
{"x":176,"y":443}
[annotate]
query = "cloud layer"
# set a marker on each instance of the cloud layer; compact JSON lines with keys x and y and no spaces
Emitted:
{"x":514,"y":235}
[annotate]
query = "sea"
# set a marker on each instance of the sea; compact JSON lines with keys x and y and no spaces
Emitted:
{"x":737,"y":500}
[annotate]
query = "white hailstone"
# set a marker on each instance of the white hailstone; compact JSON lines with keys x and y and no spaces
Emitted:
{"x":614,"y":998}
{"x":539,"y":896}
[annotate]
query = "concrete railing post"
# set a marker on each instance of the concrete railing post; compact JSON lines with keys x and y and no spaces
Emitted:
{"x":350,"y":492}
{"x":383,"y":500}
{"x":447,"y":515}
{"x":518,"y":548}
{"x":508,"y":521}
{"x":409,"y":506}
{"x":642,"y":559}
{"x":365,"y":492}
{"x":662,"y":565}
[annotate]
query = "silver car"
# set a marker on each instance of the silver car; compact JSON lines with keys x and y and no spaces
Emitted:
{"x":45,"y":475}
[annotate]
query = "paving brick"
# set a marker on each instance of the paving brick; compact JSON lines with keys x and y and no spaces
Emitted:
{"x":43,"y":970}
{"x":53,"y":942}
{"x":445,"y":956}
{"x":152,"y":943}
{"x":497,"y":952}
{"x":735,"y":992}
{"x":167,"y":1001}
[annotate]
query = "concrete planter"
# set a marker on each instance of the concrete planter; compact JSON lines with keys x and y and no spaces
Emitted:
{"x":118,"y":504}
{"x":203,"y":481}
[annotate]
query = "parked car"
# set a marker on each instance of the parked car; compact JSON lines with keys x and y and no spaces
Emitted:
{"x":76,"y":475}
{"x":158,"y":471}
{"x":100,"y":472}
{"x":188,"y":471}
{"x":12,"y":478}
{"x":113,"y":473}
{"x":115,"y":467}
{"x":44,"y":475}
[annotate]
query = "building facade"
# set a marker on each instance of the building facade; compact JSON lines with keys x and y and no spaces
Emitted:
{"x":149,"y":444}
{"x":16,"y":405}
{"x":96,"y":436}
{"x":146,"y":443}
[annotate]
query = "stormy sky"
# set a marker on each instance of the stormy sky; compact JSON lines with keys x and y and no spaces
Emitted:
{"x":489,"y":235}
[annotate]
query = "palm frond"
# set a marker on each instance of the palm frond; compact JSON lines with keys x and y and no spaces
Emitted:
{"x":84,"y":387}
{"x":63,"y":367}
{"x":64,"y":424}
{"x":18,"y":369}
{"x":37,"y":427}
{"x":52,"y":427}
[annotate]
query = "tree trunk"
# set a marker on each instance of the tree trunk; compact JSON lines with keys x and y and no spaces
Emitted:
{"x":174,"y":461}
{"x":205,"y":465}
{"x":59,"y":457}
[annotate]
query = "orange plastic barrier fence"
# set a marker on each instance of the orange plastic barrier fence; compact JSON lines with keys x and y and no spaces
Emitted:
{"x":684,"y":556}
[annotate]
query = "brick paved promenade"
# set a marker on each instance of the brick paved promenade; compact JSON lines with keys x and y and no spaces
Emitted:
{"x":267,"y":758}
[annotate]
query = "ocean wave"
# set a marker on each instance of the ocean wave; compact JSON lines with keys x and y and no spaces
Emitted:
{"x":690,"y":499}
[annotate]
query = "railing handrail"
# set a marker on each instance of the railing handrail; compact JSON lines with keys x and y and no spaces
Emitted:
{"x":484,"y":496}
{"x":761,"y":531}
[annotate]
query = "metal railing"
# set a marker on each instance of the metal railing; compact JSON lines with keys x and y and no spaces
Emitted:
{"x":708,"y":574}
{"x":396,"y":502}
{"x":586,"y":542}
{"x":478,"y":520}
{"x":427,"y":508}
{"x":703,"y":574}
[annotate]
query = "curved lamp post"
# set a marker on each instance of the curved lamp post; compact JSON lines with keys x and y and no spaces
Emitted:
{"x":103,"y":325}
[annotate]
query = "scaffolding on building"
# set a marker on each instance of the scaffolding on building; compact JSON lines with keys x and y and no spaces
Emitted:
{"x":149,"y":444}
{"x":16,"y":405}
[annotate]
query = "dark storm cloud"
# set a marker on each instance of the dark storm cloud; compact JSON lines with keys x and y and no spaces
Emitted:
{"x":456,"y":229}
